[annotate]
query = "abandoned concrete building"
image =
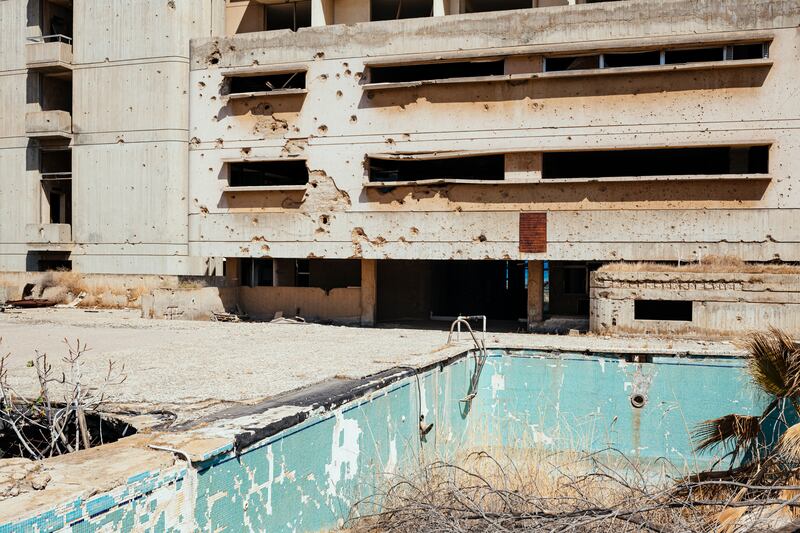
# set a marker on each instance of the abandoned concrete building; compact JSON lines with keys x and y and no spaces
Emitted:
{"x":369,"y":161}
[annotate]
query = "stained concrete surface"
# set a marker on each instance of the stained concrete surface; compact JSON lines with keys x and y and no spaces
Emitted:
{"x":198,"y":368}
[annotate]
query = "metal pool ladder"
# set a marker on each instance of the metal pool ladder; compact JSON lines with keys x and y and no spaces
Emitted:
{"x":480,"y":355}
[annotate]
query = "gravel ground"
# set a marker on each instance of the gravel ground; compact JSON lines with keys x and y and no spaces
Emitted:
{"x":195,"y":368}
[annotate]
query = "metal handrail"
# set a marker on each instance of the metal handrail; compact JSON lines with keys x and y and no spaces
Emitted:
{"x":480,"y":358}
{"x":56,"y":37}
{"x":56,"y":176}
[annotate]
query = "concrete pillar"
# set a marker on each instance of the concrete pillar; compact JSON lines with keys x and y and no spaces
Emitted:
{"x":321,"y":12}
{"x":369,"y":291}
{"x":535,"y":293}
{"x":439,"y":8}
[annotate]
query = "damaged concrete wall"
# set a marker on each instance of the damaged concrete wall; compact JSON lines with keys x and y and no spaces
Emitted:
{"x":311,"y":303}
{"x":127,"y":68}
{"x":338,"y":122}
{"x":725,"y":304}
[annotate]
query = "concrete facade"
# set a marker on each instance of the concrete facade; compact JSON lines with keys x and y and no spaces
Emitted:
{"x":162,"y":132}
{"x":716,"y":303}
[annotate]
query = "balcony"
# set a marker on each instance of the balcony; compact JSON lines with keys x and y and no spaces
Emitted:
{"x":49,"y":53}
{"x":55,"y":124}
{"x":48,"y":234}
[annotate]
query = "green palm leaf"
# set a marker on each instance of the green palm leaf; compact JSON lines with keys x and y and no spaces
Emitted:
{"x":774,"y":363}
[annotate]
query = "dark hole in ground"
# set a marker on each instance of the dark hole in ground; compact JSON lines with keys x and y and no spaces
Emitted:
{"x":103,"y":429}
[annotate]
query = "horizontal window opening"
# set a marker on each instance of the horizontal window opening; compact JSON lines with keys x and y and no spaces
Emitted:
{"x":491,"y":167}
{"x":748,"y":51}
{"x":326,"y":274}
{"x":436,"y":71}
{"x":664,"y":56}
{"x":555,"y":64}
{"x":632,"y":59}
{"x":288,"y":16}
{"x":482,"y":6}
{"x":268,"y":173}
{"x":671,"y":310}
{"x":268,"y":82}
{"x":400,"y":9}
{"x":694,"y":55}
{"x":656,"y":162}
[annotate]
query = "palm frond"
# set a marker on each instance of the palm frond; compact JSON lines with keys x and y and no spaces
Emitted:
{"x":789,"y":444}
{"x":774,"y":363}
{"x":733,"y":432}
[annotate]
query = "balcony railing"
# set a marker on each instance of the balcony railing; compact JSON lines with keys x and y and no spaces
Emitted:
{"x":49,"y":52}
{"x":51,"y":38}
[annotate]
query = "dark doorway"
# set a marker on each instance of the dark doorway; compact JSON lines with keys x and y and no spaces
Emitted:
{"x":438,"y":291}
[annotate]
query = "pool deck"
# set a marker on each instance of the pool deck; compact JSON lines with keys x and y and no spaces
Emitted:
{"x":198,"y":368}
{"x":221,"y":377}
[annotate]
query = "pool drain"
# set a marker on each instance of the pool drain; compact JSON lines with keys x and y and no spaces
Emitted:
{"x":638,"y":400}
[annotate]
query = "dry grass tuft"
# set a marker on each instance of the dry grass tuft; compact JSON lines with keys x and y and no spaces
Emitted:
{"x":711,"y":263}
{"x":536,"y":490}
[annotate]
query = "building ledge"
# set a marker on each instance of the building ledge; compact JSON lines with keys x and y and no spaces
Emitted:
{"x":261,"y":94}
{"x":617,"y":71}
{"x":49,"y":124}
{"x":55,"y":236}
{"x":265,"y":188}
{"x":636,"y":179}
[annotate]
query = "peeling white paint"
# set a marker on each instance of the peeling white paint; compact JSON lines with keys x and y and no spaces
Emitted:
{"x":498,"y":384}
{"x":391,"y":463}
{"x":344,"y":452}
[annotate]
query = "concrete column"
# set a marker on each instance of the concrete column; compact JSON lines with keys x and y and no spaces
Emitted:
{"x":439,"y":8}
{"x":369,"y":291}
{"x":535,"y":293}
{"x":321,"y":12}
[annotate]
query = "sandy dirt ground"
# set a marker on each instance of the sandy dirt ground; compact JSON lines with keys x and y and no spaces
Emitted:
{"x":195,"y":368}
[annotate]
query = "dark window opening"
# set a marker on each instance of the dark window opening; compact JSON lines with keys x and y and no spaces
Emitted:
{"x":672,"y":310}
{"x":55,"y":167}
{"x":400,"y":9}
{"x":654,"y":57}
{"x":55,"y":93}
{"x":576,"y":280}
{"x":53,"y":261}
{"x":56,"y":18}
{"x":555,"y":64}
{"x":482,"y":6}
{"x":488,"y":167}
{"x":436,"y":71}
{"x":695,"y":55}
{"x":288,"y":16}
{"x":270,"y":82}
{"x":255,"y":272}
{"x":748,"y":51}
{"x":656,"y":162}
{"x":55,"y":161}
{"x":302,"y":273}
{"x":268,"y":173}
{"x":632,"y":59}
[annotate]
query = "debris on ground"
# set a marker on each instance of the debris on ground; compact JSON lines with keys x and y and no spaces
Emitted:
{"x":18,"y":476}
{"x":31,"y":303}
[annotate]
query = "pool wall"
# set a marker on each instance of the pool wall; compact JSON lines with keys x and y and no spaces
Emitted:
{"x":306,"y":475}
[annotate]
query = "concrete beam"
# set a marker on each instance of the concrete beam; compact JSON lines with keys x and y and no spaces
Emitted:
{"x":369,"y":291}
{"x":535,"y":293}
